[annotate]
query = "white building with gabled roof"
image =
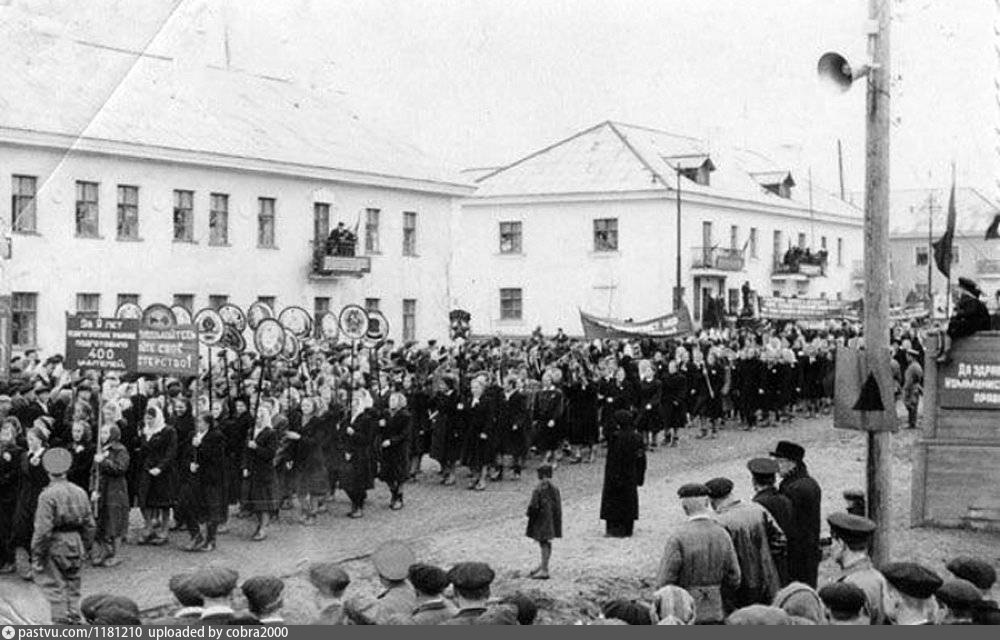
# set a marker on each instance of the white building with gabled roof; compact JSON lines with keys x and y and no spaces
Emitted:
{"x":590,"y":223}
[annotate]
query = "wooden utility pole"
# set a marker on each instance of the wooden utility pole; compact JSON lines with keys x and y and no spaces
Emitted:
{"x":930,"y":256}
{"x":876,"y":236}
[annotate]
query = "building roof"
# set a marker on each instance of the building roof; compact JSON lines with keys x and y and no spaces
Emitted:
{"x":57,"y":85}
{"x":613,"y":157}
{"x":908,"y":211}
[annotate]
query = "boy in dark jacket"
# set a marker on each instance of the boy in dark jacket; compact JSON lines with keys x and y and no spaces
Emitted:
{"x":544,"y":519}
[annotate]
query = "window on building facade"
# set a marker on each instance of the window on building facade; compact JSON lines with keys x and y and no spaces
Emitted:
{"x":321,"y":223}
{"x":22,"y":203}
{"x":921,"y":289}
{"x":183,"y":215}
{"x":840,"y":252}
{"x":88,"y":304}
{"x":734,"y":301}
{"x":753,"y":242}
{"x":128,"y":212}
{"x":127,"y":298}
{"x":265,"y":223}
{"x":185,"y":300}
{"x":922,"y":256}
{"x":734,"y":237}
{"x":839,"y":295}
{"x":822,"y":242}
{"x":372,"y":304}
{"x":409,"y":319}
{"x":371,"y":230}
{"x":778,"y":249}
{"x":87,"y":216}
{"x":409,"y":233}
{"x":955,"y":254}
{"x":606,"y":234}
{"x":510,"y":237}
{"x":217,"y":300}
{"x":802,"y":241}
{"x":321,"y":306}
{"x":267,"y":300}
{"x":510,"y":304}
{"x":218,"y":219}
{"x":24,"y":318}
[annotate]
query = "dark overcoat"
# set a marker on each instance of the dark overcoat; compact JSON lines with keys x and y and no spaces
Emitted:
{"x":545,"y":513}
{"x":624,"y":473}
{"x":113,"y":505}
{"x":804,"y":551}
{"x":261,"y":476}
{"x":394,"y":460}
{"x":160,"y":452}
{"x":210,"y":479}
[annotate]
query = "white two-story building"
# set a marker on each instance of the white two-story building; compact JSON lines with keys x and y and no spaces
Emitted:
{"x":591,"y":223}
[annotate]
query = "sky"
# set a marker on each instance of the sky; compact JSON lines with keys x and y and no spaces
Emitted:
{"x":484,"y":82}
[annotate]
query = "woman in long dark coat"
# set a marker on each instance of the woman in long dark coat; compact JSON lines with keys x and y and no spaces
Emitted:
{"x":309,"y":474}
{"x":394,"y":448}
{"x":448,"y":418}
{"x":355,"y":459}
{"x":82,"y":450}
{"x":512,"y":425}
{"x":32,"y":480}
{"x":262,"y":497}
{"x":10,"y":472}
{"x":235,"y":428}
{"x":581,"y":412}
{"x":481,"y":435}
{"x":648,"y":399}
{"x":614,"y":393}
{"x":418,"y":403}
{"x":158,"y":477}
{"x":674,"y":402}
{"x":113,"y":463}
{"x":624,"y":473}
{"x":187,"y":507}
{"x":548,"y":414}
{"x":208,"y":468}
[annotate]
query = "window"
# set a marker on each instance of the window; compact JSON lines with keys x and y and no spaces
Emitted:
{"x":840,"y":252}
{"x":268,"y":300}
{"x":777,"y":246}
{"x":127,"y":298}
{"x":510,"y":304}
{"x":921,"y":289}
{"x":24,"y":319}
{"x":218,"y":219}
{"x":753,"y":242}
{"x":922,"y":256}
{"x":88,"y":304}
{"x":822,"y":242}
{"x":734,"y":301}
{"x":371,"y":230}
{"x":372,"y":304}
{"x":954,"y":254}
{"x":22,"y":203}
{"x":839,"y":295}
{"x":128,"y":212}
{"x":734,"y":237}
{"x":510,"y":237}
{"x":822,"y":295}
{"x":321,"y":306}
{"x":409,"y":319}
{"x":409,"y":233}
{"x":183,"y":216}
{"x":321,"y":223}
{"x":216,"y":301}
{"x":87,"y":219}
{"x":606,"y":234}
{"x":185,"y":300}
{"x":265,"y":223}
{"x":802,"y":241}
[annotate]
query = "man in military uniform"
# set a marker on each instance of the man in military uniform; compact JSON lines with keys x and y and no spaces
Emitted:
{"x":804,"y":552}
{"x":471,"y":581}
{"x":63,"y":537}
{"x":699,"y":556}
{"x":911,"y":593}
{"x":852,"y":536}
{"x":763,"y":472}
{"x":392,"y":561}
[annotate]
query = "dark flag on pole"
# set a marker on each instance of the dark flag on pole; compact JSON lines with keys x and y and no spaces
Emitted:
{"x":943,"y":247}
{"x":993,"y":232}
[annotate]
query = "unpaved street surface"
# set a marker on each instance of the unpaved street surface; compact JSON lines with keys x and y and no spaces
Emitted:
{"x":451,"y":524}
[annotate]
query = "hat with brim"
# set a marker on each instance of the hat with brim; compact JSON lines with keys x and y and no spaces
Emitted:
{"x":789,"y":451}
{"x":970,"y":286}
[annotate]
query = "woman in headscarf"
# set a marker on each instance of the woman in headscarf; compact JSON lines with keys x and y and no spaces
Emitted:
{"x":624,"y":473}
{"x":32,"y":480}
{"x":83,"y":456}
{"x":308,"y":463}
{"x":10,"y":471}
{"x":208,"y":470}
{"x":674,"y":606}
{"x":801,"y":601}
{"x":354,"y":448}
{"x":112,"y":495}
{"x":258,"y":469}
{"x":480,"y":435}
{"x":394,"y":448}
{"x":157,"y":476}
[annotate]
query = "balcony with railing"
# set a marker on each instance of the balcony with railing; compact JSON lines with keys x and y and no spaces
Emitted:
{"x":988,"y":267}
{"x":337,"y":262}
{"x":717,"y":259}
{"x":800,"y":263}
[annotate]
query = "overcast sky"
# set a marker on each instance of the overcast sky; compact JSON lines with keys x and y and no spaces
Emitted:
{"x":483,"y":82}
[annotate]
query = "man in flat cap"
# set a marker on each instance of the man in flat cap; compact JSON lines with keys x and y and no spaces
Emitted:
{"x":911,"y":592}
{"x":852,"y":537}
{"x":215,"y":584}
{"x":264,"y":601}
{"x":331,"y":582}
{"x":957,"y":601}
{"x":189,"y":599}
{"x":109,"y":610}
{"x":63,"y":536}
{"x":804,"y":553}
{"x":392,"y":561}
{"x":757,"y":539}
{"x":471,"y":582}
{"x":845,"y":604}
{"x":429,"y":583}
{"x":699,"y":556}
{"x":976,"y":571}
{"x":763,"y":472}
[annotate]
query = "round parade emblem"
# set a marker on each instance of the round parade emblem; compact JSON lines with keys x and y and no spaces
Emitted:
{"x":378,"y":326}
{"x":233,"y":339}
{"x":233,"y":315}
{"x":292,"y":348}
{"x":258,"y":311}
{"x":329,"y":324}
{"x":296,"y":320}
{"x":353,"y":322}
{"x":129,"y":311}
{"x":181,"y":314}
{"x":158,"y":316}
{"x":269,"y":338}
{"x":210,"y":326}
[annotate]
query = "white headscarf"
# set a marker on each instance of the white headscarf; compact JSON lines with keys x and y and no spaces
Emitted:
{"x":364,"y":402}
{"x":159,"y":424}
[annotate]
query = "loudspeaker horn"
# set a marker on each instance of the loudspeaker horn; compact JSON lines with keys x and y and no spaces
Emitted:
{"x":836,"y":72}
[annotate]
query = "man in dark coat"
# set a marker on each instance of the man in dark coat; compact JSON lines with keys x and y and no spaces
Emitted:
{"x":971,"y":314}
{"x":804,"y":552}
{"x":777,"y":504}
{"x":624,"y":473}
